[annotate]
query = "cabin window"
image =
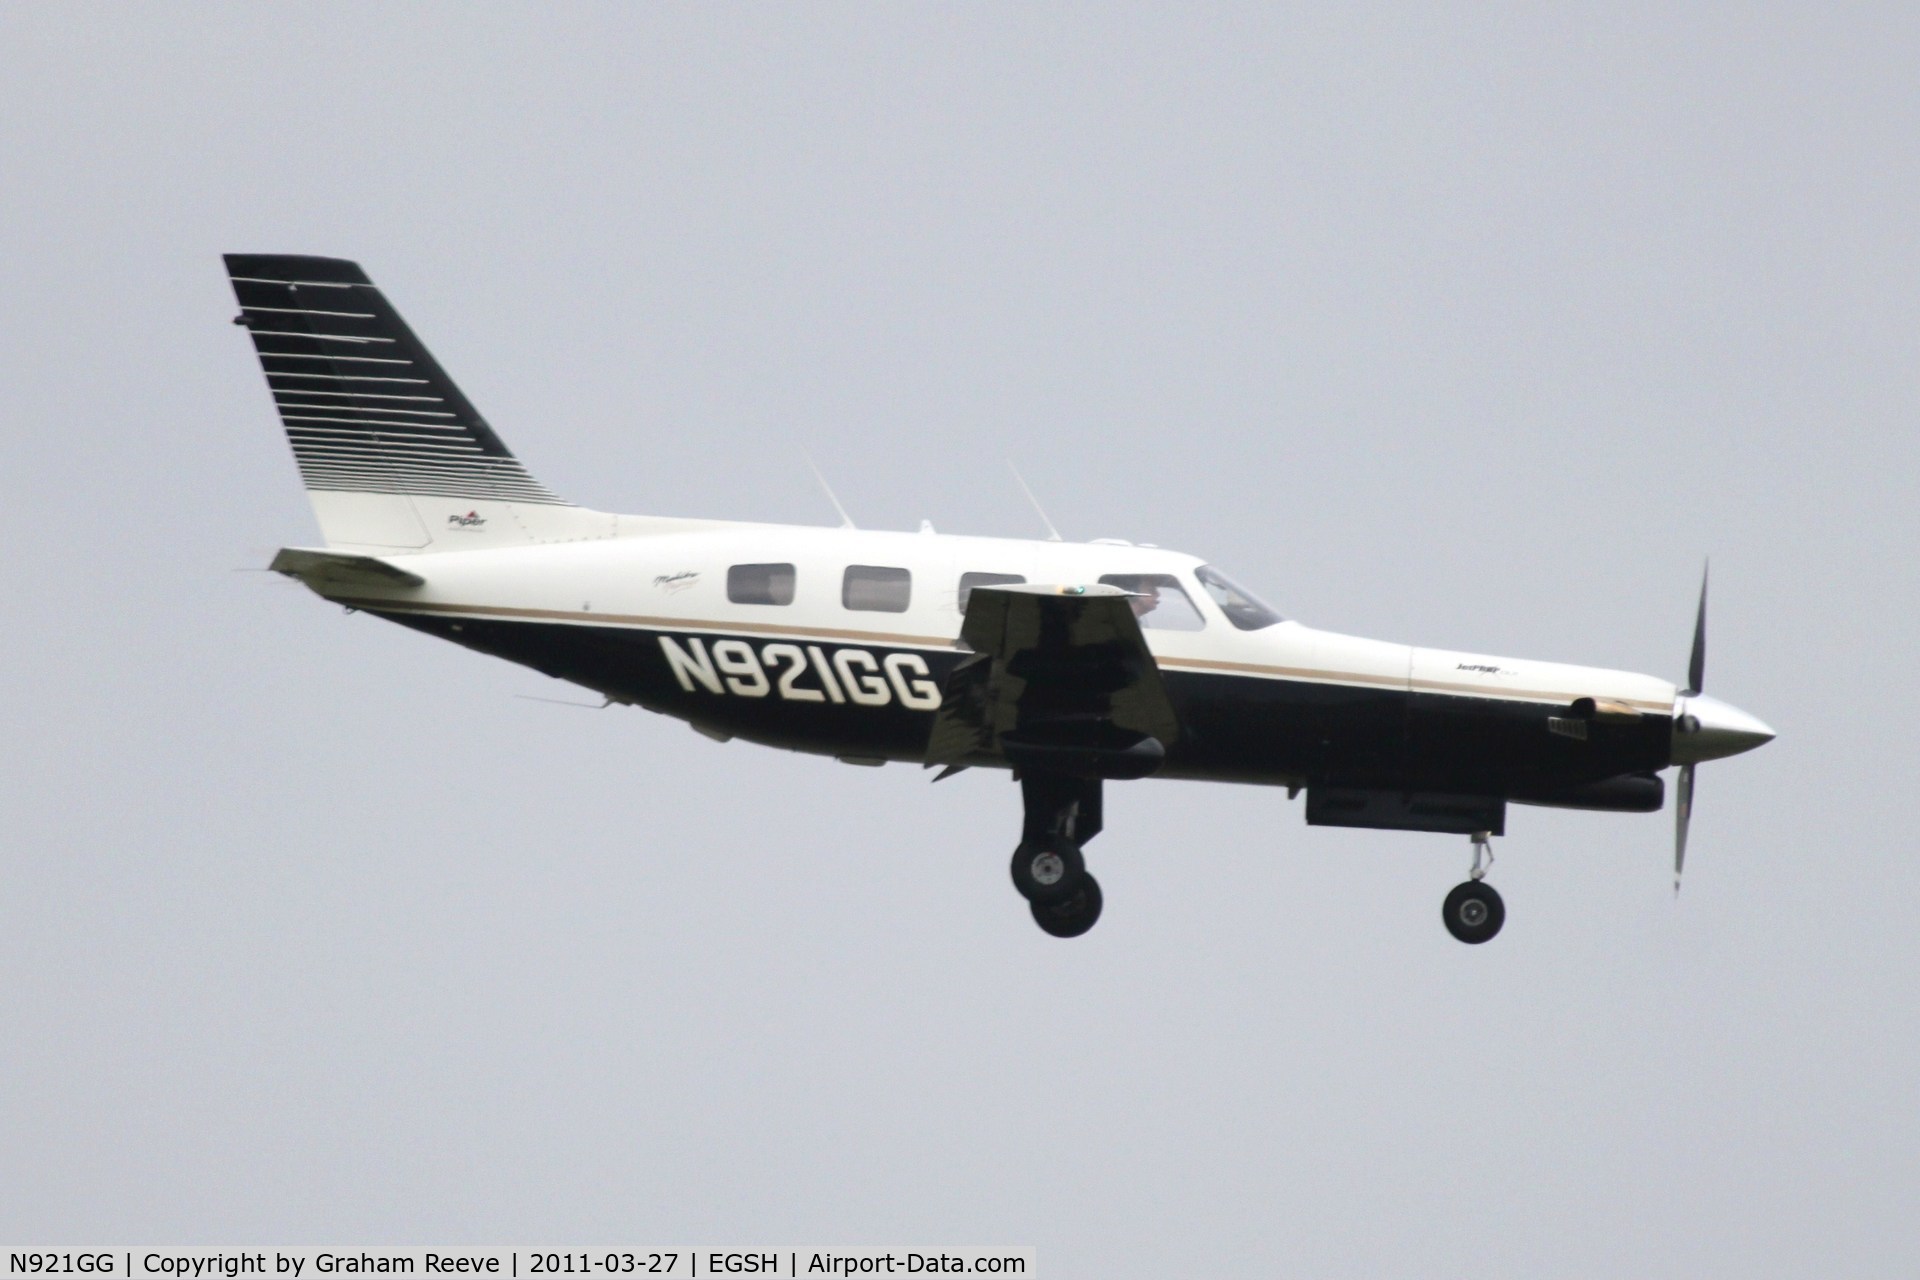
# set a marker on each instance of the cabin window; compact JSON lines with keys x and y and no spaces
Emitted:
{"x":876,"y":588}
{"x":968,"y":581}
{"x":760,"y":584}
{"x":1158,"y":601}
{"x":1242,"y":608}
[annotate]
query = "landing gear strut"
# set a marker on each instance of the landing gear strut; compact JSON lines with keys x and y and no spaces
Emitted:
{"x":1473,"y":912}
{"x":1062,"y":813}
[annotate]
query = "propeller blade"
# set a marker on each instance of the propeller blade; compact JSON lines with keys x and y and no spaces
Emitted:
{"x":1697,"y":665}
{"x":1682,"y":815}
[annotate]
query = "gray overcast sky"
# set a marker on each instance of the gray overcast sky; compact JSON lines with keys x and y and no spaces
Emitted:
{"x":1475,"y":328}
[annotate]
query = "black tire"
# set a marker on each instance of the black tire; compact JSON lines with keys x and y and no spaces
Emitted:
{"x":1473,"y":912}
{"x":1074,"y":915}
{"x":1047,"y":870}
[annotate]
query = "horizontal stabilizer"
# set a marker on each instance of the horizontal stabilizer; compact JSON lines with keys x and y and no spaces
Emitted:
{"x":335,"y":572}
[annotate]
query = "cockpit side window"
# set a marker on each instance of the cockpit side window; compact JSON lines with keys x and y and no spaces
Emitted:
{"x":1242,"y":607}
{"x":1159,"y":601}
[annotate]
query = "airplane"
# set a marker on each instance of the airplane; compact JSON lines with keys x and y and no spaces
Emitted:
{"x":1068,"y":664}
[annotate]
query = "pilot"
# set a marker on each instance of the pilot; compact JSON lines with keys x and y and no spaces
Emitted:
{"x":1145,"y":598}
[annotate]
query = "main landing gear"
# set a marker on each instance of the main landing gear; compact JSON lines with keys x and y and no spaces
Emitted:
{"x":1473,"y":912}
{"x":1062,"y":814}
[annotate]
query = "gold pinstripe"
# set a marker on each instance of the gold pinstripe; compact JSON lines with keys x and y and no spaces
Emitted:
{"x":1315,"y":675}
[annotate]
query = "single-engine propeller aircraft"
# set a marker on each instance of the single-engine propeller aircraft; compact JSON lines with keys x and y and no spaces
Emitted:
{"x":1070,"y":664}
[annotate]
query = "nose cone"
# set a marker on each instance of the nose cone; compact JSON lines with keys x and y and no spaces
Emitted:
{"x":1707,"y":729}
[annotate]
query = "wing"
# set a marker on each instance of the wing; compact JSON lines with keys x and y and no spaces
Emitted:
{"x":1060,"y":680}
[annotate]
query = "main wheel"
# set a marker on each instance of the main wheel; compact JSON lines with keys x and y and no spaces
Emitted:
{"x":1473,"y":912}
{"x":1073,"y":915}
{"x":1047,"y":870}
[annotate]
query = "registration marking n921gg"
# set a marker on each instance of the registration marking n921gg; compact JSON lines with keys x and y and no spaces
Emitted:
{"x":849,"y":675}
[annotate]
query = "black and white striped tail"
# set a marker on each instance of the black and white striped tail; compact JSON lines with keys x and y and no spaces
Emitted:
{"x":367,"y":409}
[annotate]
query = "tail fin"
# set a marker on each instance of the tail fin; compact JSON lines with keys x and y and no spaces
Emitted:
{"x":392,"y":454}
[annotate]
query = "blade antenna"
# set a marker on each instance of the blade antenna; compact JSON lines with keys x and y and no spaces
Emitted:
{"x":846,"y":521}
{"x":1053,"y":534}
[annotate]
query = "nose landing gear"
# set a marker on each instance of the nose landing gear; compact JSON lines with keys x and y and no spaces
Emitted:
{"x":1473,"y":912}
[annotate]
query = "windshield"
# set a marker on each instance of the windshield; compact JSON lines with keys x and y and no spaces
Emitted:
{"x":1242,"y":607}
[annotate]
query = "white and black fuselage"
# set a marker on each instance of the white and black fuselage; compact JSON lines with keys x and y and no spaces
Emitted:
{"x":1070,"y":663}
{"x":647,"y":619}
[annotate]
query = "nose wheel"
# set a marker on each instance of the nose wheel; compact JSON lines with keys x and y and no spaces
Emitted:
{"x":1473,"y":912}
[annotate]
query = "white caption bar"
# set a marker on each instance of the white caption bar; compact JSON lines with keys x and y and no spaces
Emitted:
{"x":125,"y":1263}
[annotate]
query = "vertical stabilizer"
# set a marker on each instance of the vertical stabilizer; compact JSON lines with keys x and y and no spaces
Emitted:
{"x":394,"y":457}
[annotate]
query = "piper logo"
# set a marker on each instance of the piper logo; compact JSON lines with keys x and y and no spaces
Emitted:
{"x":803,"y":674}
{"x":471,"y":520}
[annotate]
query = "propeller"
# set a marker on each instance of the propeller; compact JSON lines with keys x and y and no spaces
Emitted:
{"x":1696,"y":677}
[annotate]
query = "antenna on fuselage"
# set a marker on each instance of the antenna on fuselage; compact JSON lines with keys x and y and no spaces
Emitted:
{"x":567,"y":702}
{"x":846,"y":521}
{"x":1053,"y":534}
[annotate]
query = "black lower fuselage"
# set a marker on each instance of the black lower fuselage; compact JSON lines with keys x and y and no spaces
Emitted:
{"x":1236,"y":728}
